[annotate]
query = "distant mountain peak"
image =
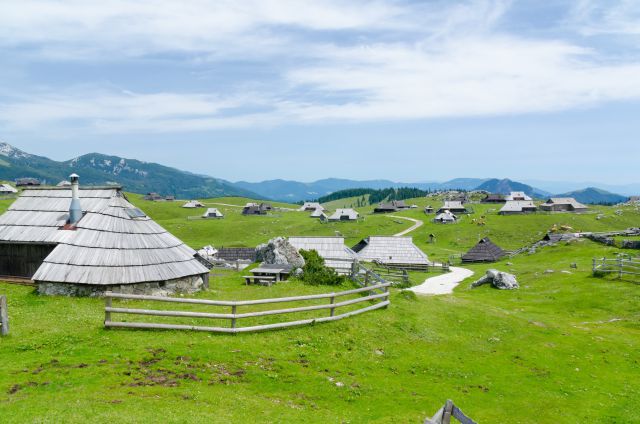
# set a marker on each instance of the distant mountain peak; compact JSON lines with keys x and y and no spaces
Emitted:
{"x":9,"y":151}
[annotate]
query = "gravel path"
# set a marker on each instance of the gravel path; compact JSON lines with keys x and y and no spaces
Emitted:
{"x":416,"y":224}
{"x":443,"y":284}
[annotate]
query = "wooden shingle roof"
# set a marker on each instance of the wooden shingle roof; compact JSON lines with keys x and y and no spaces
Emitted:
{"x":484,"y":251}
{"x":113,"y":243}
{"x":390,"y":250}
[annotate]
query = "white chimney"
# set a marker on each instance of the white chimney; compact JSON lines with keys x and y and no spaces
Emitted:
{"x":75,"y":210}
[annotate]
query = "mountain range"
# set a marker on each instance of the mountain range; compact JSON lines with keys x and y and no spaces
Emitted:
{"x":143,"y":177}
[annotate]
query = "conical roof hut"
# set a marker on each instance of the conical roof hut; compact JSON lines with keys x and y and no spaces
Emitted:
{"x":112,"y":246}
{"x":484,"y":251}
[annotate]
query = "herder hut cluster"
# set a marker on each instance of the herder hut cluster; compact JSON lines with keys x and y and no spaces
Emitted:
{"x":85,"y":241}
{"x":256,"y":209}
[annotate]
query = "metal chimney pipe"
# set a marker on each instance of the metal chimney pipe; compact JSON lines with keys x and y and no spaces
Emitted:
{"x":75,"y":210}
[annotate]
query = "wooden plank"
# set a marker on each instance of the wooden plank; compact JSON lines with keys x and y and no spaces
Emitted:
{"x":161,"y":313}
{"x":460,"y":416}
{"x":4,"y":316}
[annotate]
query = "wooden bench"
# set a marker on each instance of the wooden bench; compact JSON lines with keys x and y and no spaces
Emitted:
{"x":259,"y":279}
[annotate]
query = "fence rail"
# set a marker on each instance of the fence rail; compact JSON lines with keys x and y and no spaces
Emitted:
{"x":381,"y":300}
{"x":4,"y":316}
{"x":620,"y":266}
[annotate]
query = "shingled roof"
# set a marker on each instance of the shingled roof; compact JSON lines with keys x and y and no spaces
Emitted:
{"x":484,"y":251}
{"x":390,"y":250}
{"x":328,"y":248}
{"x":114,"y":242}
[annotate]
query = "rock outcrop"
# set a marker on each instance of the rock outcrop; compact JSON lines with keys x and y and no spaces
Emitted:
{"x":279,"y":251}
{"x":498,"y":279}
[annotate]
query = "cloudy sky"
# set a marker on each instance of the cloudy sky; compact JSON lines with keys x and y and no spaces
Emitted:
{"x":306,"y":89}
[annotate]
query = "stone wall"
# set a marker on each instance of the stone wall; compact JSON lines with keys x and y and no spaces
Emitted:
{"x":184,"y":285}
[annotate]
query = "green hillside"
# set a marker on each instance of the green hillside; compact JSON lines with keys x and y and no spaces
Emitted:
{"x":565,"y":342}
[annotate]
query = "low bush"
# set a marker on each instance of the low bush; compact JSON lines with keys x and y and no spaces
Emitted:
{"x":316,"y":273}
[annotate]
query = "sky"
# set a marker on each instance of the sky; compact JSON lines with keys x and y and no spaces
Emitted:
{"x":308,"y":89}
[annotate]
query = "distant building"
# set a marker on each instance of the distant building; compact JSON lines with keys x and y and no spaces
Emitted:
{"x":63,"y":183}
{"x":392,"y":206}
{"x":27,"y":182}
{"x":454,"y":206}
{"x":344,"y":215}
{"x":170,"y":198}
{"x":193,"y":204}
{"x":155,"y":197}
{"x":484,"y":251}
{"x":311,"y":206}
{"x":317,"y":213}
{"x":563,"y":204}
{"x":493,"y":198}
{"x":335,"y":253}
{"x":212,"y":213}
{"x":391,"y":251}
{"x":518,"y":196}
{"x":445,"y":217}
{"x":516,"y":207}
{"x":428,"y":210}
{"x":6,"y":189}
{"x":256,"y":209}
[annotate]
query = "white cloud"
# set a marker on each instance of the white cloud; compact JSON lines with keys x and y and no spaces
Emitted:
{"x":357,"y":61}
{"x":611,"y":17}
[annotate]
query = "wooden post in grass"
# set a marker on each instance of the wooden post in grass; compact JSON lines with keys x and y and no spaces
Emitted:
{"x":594,"y":265}
{"x":619,"y":267}
{"x":107,"y":313}
{"x":446,"y":414}
{"x":4,"y":316}
{"x":233,"y":320}
{"x":333,"y":308}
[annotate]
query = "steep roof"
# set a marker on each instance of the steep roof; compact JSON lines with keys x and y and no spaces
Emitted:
{"x":517,"y":205}
{"x":113,"y":243}
{"x":311,"y":206}
{"x":351,"y":214}
{"x":484,"y":251}
{"x":446,"y":216}
{"x":390,"y":250}
{"x":518,"y":195}
{"x":317,"y":213}
{"x":6,"y":188}
{"x":328,"y":248}
{"x":565,"y":201}
{"x":212,"y":212}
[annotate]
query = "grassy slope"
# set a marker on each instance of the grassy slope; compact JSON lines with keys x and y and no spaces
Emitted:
{"x":545,"y":353}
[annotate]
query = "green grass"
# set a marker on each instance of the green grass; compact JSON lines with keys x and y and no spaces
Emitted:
{"x":561,"y":349}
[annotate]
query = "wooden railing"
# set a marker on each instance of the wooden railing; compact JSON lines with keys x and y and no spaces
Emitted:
{"x":4,"y":316}
{"x":620,"y":266}
{"x":378,"y":293}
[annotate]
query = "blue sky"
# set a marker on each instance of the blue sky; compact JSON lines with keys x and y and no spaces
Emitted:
{"x":301,"y":89}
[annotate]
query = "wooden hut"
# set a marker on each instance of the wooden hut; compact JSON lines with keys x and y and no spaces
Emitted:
{"x":428,"y":210}
{"x":6,"y":189}
{"x":518,"y":196}
{"x":335,"y":253}
{"x":212,"y":213}
{"x":518,"y":207}
{"x":454,"y":206}
{"x":192,"y":204}
{"x":311,"y":206}
{"x":392,"y":251}
{"x":563,"y":204}
{"x":27,"y":182}
{"x":493,"y":198}
{"x":446,"y":217}
{"x":484,"y":251}
{"x":74,"y":241}
{"x":256,"y":209}
{"x":344,"y":215}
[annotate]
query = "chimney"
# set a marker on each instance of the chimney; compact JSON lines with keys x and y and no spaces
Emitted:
{"x":75,"y":211}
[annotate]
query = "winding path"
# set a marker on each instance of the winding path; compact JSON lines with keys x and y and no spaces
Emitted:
{"x":443,"y":284}
{"x":416,"y":224}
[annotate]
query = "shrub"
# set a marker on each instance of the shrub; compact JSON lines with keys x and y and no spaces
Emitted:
{"x":316,"y":273}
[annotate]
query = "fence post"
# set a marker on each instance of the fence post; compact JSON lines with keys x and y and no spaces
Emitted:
{"x":107,"y":304}
{"x":594,"y":265}
{"x":333,"y":302}
{"x":4,"y":316}
{"x":233,"y":320}
{"x":448,"y":410}
{"x":620,"y":268}
{"x":354,"y":269}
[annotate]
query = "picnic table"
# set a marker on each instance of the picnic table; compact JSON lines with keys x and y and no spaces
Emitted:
{"x":268,"y":273}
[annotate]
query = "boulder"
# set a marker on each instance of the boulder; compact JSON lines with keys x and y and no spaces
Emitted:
{"x":500,"y":280}
{"x":279,"y":251}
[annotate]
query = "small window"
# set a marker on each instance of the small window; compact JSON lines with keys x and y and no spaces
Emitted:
{"x":135,"y":213}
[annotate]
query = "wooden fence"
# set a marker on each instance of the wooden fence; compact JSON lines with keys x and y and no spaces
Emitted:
{"x":4,"y":316}
{"x":620,"y":266}
{"x":378,"y":293}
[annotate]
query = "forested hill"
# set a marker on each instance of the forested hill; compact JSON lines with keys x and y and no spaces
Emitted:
{"x":376,"y":196}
